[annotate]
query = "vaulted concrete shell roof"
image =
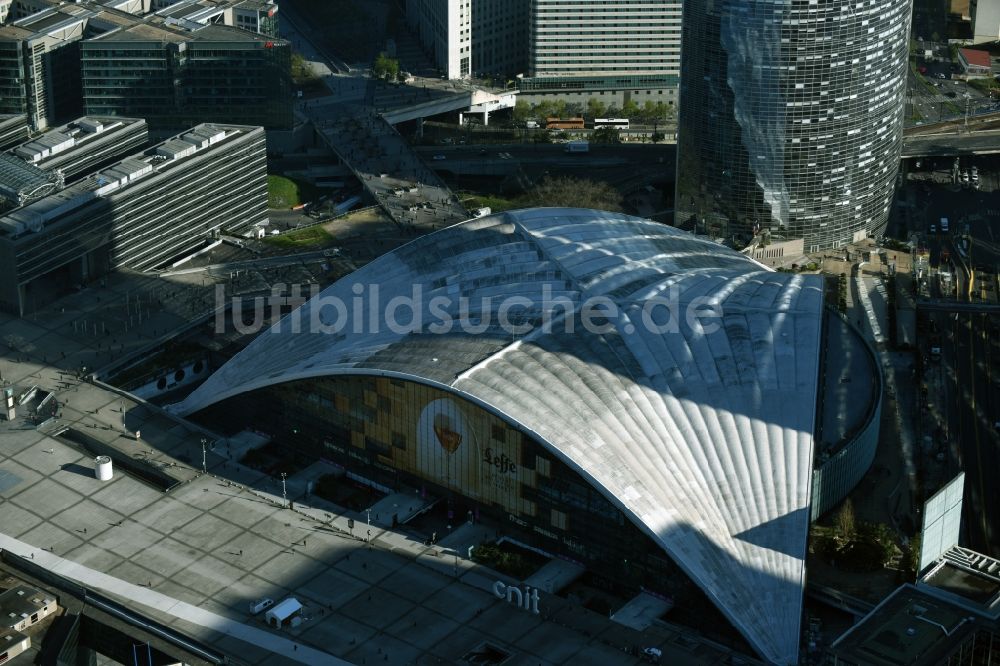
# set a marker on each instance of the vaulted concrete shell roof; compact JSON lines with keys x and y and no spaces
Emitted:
{"x":703,"y":436}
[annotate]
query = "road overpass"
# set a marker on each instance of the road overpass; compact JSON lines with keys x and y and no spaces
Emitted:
{"x":952,"y":144}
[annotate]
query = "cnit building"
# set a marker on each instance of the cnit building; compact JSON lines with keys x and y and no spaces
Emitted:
{"x":791,"y":119}
{"x":658,"y":453}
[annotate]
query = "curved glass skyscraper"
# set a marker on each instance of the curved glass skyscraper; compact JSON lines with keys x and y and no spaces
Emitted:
{"x":791,"y":117}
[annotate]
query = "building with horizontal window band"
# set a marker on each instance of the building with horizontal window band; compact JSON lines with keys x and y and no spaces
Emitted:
{"x":142,"y":212}
{"x":570,"y":50}
{"x":643,"y":448}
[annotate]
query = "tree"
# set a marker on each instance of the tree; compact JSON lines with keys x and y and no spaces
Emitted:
{"x":573,"y":193}
{"x":545,"y":109}
{"x":522,"y":111}
{"x":302,"y":71}
{"x":656,"y":137}
{"x":543,"y":137}
{"x":606,"y":135}
{"x":648,"y":112}
{"x":913,"y":556}
{"x":596,"y":108}
{"x":630,"y":109}
{"x":846,"y":528}
{"x":385,"y":68}
{"x":574,"y":109}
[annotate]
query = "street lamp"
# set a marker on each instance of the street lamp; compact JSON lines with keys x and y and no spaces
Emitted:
{"x":284,"y":493}
{"x":204,"y":456}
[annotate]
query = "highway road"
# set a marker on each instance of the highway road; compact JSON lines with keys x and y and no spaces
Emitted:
{"x":983,"y":142}
{"x":971,"y":352}
{"x":662,"y":156}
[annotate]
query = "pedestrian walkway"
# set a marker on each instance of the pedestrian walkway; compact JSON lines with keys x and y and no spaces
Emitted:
{"x":555,"y":576}
{"x":641,"y":611}
{"x":164,"y":604}
{"x":409,"y":191}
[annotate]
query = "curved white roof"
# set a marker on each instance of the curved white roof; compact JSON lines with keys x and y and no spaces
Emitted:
{"x":704,"y":438}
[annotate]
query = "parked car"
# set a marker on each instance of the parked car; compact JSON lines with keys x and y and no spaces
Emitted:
{"x":260,"y":605}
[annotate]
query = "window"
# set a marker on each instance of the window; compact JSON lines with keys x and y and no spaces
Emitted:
{"x":558,"y":519}
{"x":398,"y":440}
{"x":542,"y":466}
{"x":499,"y":433}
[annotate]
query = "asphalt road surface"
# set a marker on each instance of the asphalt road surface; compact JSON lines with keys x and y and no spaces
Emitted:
{"x":971,"y":352}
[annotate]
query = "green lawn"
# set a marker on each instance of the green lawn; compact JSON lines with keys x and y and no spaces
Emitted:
{"x":285,"y":193}
{"x":282,"y":192}
{"x":494,"y":202}
{"x":312,"y":237}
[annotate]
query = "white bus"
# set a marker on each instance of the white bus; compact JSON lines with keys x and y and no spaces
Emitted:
{"x":616,"y":123}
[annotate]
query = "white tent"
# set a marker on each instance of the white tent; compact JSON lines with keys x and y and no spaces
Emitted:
{"x":284,"y":613}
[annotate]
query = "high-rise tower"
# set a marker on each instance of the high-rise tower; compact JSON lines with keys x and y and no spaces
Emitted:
{"x":791,"y":117}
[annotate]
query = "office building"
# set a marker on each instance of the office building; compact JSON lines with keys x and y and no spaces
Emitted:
{"x":791,"y":119}
{"x":184,"y":64}
{"x":260,"y":16}
{"x":499,"y":38}
{"x":140,"y":213}
{"x":39,"y":65}
{"x":174,"y":77}
{"x":480,"y":38}
{"x":613,"y":52}
{"x":84,"y":145}
{"x":668,"y":458}
{"x":573,"y":50}
{"x":985,"y":16}
{"x":444,"y":28}
{"x":951,"y":615}
{"x":12,"y":10}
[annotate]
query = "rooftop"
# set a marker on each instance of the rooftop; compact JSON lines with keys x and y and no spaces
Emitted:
{"x":48,"y":21}
{"x":20,"y":181}
{"x":19,"y":602}
{"x":161,"y":29}
{"x":118,"y":177}
{"x":910,"y":627}
{"x":725,"y":414}
{"x":976,"y":57}
{"x":972,"y":577}
{"x":73,"y":137}
{"x":849,"y":392}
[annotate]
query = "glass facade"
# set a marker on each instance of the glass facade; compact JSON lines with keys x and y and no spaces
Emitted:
{"x":400,"y":433}
{"x":12,"y":98}
{"x":791,"y":118}
{"x":499,"y":37}
{"x":182,"y":84}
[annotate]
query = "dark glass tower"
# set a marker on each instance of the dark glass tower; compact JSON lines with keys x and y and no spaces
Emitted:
{"x":791,"y":117}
